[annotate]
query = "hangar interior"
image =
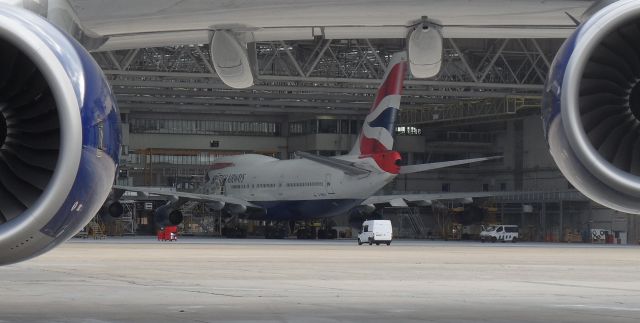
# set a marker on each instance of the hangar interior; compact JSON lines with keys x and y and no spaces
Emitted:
{"x":312,"y":95}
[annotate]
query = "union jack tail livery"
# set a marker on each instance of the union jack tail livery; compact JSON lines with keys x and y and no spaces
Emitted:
{"x":377,"y":131}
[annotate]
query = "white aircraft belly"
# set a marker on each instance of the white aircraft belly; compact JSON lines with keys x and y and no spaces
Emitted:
{"x":121,"y":17}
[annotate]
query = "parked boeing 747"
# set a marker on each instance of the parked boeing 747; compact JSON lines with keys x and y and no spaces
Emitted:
{"x":312,"y":186}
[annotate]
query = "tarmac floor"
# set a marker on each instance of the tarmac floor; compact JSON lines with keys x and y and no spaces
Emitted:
{"x":214,"y":280}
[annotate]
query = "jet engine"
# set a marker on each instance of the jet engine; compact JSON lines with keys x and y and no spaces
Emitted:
{"x":59,"y":136}
{"x":114,"y":209}
{"x":166,"y":215}
{"x":591,"y":107}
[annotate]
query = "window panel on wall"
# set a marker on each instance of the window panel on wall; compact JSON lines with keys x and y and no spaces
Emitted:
{"x":295,"y":128}
{"x":344,"y":126}
{"x":310,"y":127}
{"x":354,"y":126}
{"x":184,"y":127}
{"x":209,"y":126}
{"x":206,"y":127}
{"x":327,"y":126}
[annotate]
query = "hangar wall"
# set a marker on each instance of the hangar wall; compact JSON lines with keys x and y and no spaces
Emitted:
{"x":179,"y":153}
{"x":526,"y":165}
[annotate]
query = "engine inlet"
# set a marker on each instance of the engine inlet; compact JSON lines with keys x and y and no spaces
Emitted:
{"x":610,"y":98}
{"x":29,"y":133}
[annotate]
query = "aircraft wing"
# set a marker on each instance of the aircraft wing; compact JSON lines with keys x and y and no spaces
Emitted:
{"x":188,"y":196}
{"x":149,"y":23}
{"x":403,"y":200}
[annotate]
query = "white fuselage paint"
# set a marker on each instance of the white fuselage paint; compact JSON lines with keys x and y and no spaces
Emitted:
{"x":275,"y":183}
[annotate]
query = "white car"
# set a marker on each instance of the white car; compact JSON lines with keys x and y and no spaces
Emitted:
{"x":375,"y":231}
{"x":502,"y":233}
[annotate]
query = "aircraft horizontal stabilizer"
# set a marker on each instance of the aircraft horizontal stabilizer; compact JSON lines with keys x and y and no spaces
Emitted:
{"x":345,"y":166}
{"x":426,"y":167}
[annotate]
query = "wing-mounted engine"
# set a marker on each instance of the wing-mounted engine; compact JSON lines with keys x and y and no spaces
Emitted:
{"x":168,"y":215}
{"x":112,"y":205}
{"x":592,"y":107}
{"x":59,"y":136}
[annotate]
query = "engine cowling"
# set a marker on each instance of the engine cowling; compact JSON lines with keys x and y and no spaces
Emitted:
{"x":591,"y":107}
{"x":59,"y":136}
{"x":114,"y":209}
{"x":167,"y":216}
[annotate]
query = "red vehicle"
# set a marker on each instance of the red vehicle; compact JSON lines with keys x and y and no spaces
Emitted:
{"x":169,"y":233}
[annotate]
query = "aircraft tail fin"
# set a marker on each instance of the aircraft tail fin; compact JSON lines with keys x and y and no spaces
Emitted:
{"x":377,"y":131}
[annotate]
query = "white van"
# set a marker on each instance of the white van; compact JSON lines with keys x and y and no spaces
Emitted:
{"x":502,"y":233}
{"x":375,"y":231}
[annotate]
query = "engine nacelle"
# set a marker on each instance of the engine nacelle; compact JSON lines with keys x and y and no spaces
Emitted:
{"x":364,"y":209}
{"x":424,"y":48}
{"x":235,"y":208}
{"x":114,"y":209}
{"x":59,"y":136}
{"x":167,"y":216}
{"x":591,"y":107}
{"x":216,"y":206}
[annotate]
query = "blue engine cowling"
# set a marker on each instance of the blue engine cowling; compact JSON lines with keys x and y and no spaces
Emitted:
{"x":591,"y":108}
{"x":59,"y":136}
